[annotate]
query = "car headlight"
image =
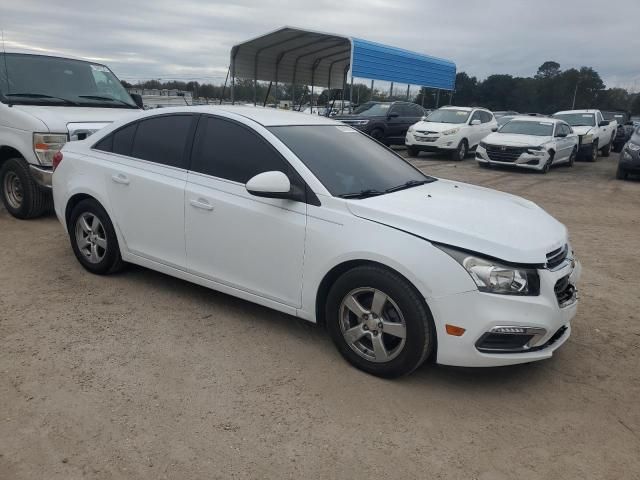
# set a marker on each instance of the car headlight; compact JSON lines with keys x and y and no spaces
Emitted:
{"x":410,"y":129}
{"x":359,"y":122}
{"x":46,"y":145}
{"x":483,"y":145}
{"x":491,"y":276}
{"x":633,"y":147}
{"x":451,"y":131}
{"x":586,"y":138}
{"x":539,"y":151}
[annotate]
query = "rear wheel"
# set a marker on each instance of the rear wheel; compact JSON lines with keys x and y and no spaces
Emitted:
{"x":379,"y":322}
{"x":93,"y":238}
{"x":461,"y":151}
{"x":22,"y":196}
{"x":412,"y":152}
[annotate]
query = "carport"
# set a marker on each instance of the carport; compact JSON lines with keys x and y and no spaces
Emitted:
{"x":295,"y":56}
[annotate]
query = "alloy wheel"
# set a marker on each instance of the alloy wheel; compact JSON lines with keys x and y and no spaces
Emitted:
{"x":13,"y":192}
{"x":372,"y":324}
{"x":91,"y":237}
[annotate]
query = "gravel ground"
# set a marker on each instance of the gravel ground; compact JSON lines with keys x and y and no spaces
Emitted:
{"x":139,"y":375}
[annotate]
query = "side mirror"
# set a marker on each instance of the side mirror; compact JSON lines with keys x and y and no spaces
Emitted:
{"x":561,"y":135}
{"x":494,"y":129}
{"x":475,"y":122}
{"x":269,"y":184}
{"x":137,"y":98}
{"x":603,"y":123}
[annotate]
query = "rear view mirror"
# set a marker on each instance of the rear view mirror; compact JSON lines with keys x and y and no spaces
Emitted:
{"x":603,"y":123}
{"x":475,"y":122}
{"x":269,"y":184}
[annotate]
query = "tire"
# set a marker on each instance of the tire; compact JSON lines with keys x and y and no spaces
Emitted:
{"x":572,"y":158}
{"x":403,"y":311}
{"x":22,"y":196}
{"x":621,"y":174}
{"x":594,"y":152}
{"x":412,"y":152}
{"x":547,"y":165}
{"x":377,"y":134}
{"x":461,"y":151}
{"x":101,"y":236}
{"x":606,"y":151}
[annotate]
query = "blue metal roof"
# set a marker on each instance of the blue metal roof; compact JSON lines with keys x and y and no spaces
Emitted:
{"x":382,"y":62}
{"x":293,"y":55}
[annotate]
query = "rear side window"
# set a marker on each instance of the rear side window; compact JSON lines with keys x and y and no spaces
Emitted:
{"x":123,"y":139}
{"x":163,"y":139}
{"x":228,"y":150}
{"x":485,"y":117}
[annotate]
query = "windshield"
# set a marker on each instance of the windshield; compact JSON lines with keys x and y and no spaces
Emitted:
{"x":578,"y":119}
{"x":42,"y":80}
{"x":347,"y":161}
{"x":372,"y":109}
{"x":521,"y":127}
{"x":503,"y":120}
{"x":449,"y":115}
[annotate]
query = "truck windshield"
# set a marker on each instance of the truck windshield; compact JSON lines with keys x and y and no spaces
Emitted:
{"x":43,"y":80}
{"x":577,"y":119}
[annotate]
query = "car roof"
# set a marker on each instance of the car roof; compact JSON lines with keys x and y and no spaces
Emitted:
{"x":576,"y":111}
{"x":267,"y":117}
{"x":466,"y":109}
{"x":529,"y":118}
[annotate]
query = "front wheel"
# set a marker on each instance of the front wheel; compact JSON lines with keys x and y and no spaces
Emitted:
{"x":461,"y":151}
{"x":412,"y":152}
{"x":594,"y":152}
{"x":607,"y":150}
{"x":21,"y":195}
{"x":572,"y":158}
{"x":379,"y":322}
{"x":93,"y":238}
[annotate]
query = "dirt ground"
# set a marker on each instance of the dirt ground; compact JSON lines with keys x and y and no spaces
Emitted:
{"x":143,"y":376}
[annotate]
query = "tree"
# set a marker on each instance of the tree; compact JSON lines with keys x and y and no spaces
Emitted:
{"x":548,"y":69}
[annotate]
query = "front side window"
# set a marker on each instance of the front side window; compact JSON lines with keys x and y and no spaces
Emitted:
{"x":346,"y":161}
{"x":163,"y":139}
{"x":231,"y":151}
{"x":43,"y":80}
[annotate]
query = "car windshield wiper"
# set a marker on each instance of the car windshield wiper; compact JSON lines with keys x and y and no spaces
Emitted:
{"x":110,"y":99}
{"x":409,"y":184}
{"x":362,"y":194}
{"x":40,"y":95}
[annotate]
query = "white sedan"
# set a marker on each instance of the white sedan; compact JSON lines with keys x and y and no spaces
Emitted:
{"x":529,"y":142}
{"x":310,"y":217}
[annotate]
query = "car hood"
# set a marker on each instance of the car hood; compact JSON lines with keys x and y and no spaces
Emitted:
{"x":436,"y":127}
{"x":582,"y":130}
{"x":515,"y":140}
{"x":341,"y":118}
{"x":57,"y":118}
{"x":478,"y":219}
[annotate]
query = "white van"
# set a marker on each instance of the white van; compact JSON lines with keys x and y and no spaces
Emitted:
{"x":46,"y":101}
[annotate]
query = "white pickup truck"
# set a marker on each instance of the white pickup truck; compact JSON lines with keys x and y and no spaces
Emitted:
{"x":46,"y":101}
{"x":595,"y":134}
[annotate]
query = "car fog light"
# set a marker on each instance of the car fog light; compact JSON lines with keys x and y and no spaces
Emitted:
{"x":516,"y":330}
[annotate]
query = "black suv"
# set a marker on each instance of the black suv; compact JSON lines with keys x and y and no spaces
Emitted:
{"x":624,"y":131}
{"x":387,"y":122}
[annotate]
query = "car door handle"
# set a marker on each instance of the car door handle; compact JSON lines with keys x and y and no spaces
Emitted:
{"x":120,"y":178}
{"x":200,"y":203}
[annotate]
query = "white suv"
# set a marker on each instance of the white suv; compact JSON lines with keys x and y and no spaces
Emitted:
{"x":451,"y":129}
{"x":311,"y":217}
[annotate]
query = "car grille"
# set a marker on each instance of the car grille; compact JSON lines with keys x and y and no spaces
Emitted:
{"x":426,"y":132}
{"x":565,"y":292}
{"x":501,"y":153}
{"x":556,"y":257}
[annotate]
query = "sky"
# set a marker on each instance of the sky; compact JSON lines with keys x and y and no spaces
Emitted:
{"x":191,"y":39}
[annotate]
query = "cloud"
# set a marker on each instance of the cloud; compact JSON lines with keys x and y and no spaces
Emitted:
{"x":191,"y":39}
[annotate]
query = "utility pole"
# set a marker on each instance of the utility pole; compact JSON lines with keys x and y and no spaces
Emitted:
{"x":575,"y":92}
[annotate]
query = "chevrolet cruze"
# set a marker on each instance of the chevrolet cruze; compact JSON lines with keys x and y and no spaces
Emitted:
{"x":313,"y":218}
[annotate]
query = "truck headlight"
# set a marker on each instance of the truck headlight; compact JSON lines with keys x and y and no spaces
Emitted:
{"x":586,"y":138}
{"x":451,"y":131}
{"x":46,"y":145}
{"x":491,"y":276}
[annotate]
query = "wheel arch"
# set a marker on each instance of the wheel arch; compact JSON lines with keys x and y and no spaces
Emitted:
{"x":7,"y":152}
{"x":75,"y":200}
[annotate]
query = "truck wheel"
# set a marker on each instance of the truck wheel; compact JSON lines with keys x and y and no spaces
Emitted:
{"x":606,"y":150}
{"x":412,"y":152}
{"x":21,"y":195}
{"x":461,"y":151}
{"x":594,"y":152}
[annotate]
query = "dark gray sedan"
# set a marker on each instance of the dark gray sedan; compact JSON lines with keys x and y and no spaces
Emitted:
{"x":629,"y":162}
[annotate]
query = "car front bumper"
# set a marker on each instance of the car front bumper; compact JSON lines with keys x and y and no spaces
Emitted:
{"x":41,"y":175}
{"x":525,"y":160}
{"x":546,"y":317}
{"x":630,"y":161}
{"x":431,"y":142}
